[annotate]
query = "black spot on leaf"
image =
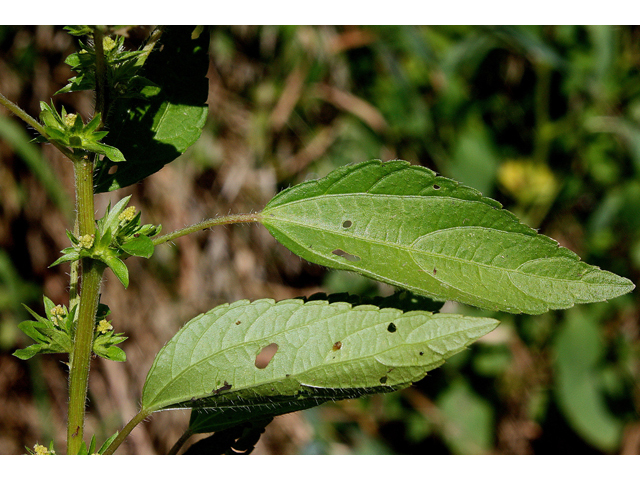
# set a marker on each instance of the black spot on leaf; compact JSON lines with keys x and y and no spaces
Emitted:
{"x":224,"y":387}
{"x":346,"y":256}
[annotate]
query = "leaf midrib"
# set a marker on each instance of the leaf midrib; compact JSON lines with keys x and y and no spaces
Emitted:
{"x":411,"y":249}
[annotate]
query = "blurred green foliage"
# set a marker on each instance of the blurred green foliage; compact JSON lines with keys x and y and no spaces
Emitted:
{"x":544,"y":119}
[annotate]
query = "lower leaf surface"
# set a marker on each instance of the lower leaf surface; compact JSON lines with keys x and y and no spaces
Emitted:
{"x":316,"y":352}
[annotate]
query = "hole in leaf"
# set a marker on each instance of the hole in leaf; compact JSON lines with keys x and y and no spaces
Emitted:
{"x":347,"y":224}
{"x":392,"y":328}
{"x":383,"y":379}
{"x":337,"y":345}
{"x":346,"y":256}
{"x":265,"y":355}
{"x":113,"y":170}
{"x":436,"y":187}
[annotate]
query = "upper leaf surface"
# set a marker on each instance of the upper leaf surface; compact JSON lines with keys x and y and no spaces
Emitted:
{"x":156,"y":125}
{"x":325,"y":351}
{"x":403,"y":225}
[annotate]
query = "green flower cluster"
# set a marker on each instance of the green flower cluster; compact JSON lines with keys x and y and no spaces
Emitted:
{"x":121,"y":65}
{"x":118,"y":235}
{"x":69,"y":130}
{"x":55,"y":332}
{"x":104,"y":338}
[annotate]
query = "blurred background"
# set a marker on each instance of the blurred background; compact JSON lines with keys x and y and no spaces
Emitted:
{"x":544,"y":119}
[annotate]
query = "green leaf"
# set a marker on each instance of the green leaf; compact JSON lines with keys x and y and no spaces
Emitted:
{"x":153,"y":128}
{"x":113,"y":153}
{"x":110,"y":221}
{"x":141,"y":246}
{"x":111,"y":353}
{"x":579,"y":382}
{"x":78,"y":30}
{"x":118,"y":267}
{"x":403,"y":225}
{"x":70,"y":255}
{"x":28,"y":352}
{"x":323,"y":351}
{"x":107,"y":442}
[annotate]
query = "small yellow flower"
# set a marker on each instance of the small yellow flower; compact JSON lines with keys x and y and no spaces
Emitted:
{"x":70,"y":119}
{"x":108,"y":44}
{"x":104,"y":326}
{"x":57,"y":314}
{"x":127,"y":215}
{"x":87,"y":241}
{"x":41,"y":450}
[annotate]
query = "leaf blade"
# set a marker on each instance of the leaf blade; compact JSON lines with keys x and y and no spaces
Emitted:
{"x":402,"y":225}
{"x":325,"y":352}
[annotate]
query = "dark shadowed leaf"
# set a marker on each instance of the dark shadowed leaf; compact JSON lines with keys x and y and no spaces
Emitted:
{"x":157,"y":125}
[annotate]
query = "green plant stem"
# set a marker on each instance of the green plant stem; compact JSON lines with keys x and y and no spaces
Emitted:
{"x":90,"y":290}
{"x":181,"y":441}
{"x":211,"y":222}
{"x":124,"y":433}
{"x":81,"y":355}
{"x":101,"y":77}
{"x":74,"y":274}
{"x":18,"y":112}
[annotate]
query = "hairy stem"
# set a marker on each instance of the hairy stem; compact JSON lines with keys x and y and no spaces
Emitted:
{"x":90,"y":290}
{"x":18,"y":112}
{"x":211,"y":222}
{"x":124,"y":433}
{"x":74,"y":274}
{"x":81,"y":355}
